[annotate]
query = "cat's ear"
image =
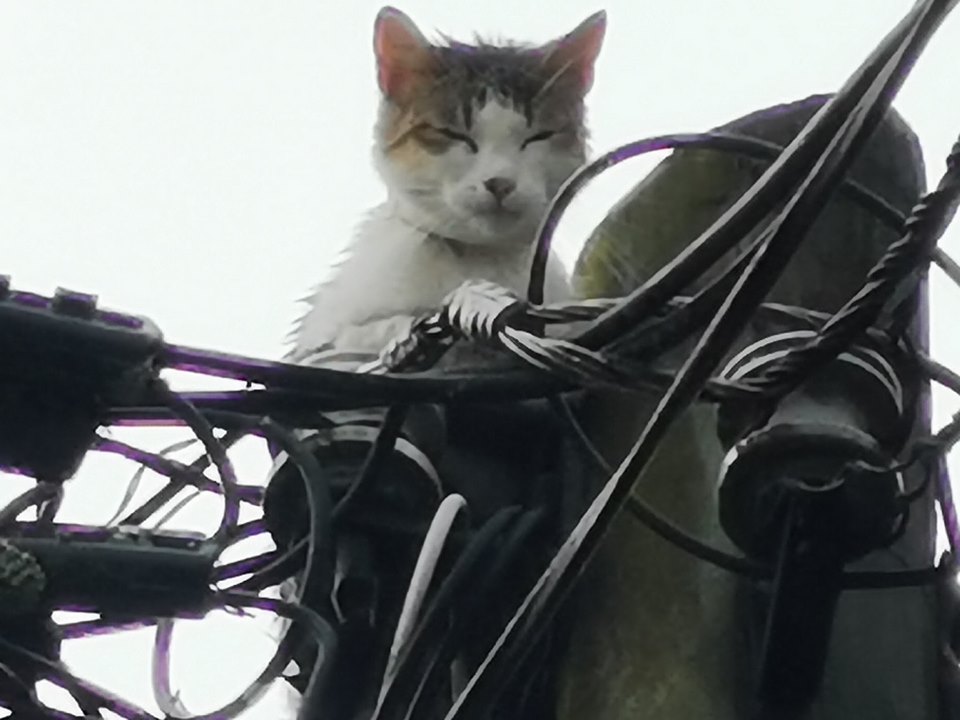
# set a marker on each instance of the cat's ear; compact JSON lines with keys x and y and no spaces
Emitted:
{"x":403,"y":54}
{"x":575,"y":54}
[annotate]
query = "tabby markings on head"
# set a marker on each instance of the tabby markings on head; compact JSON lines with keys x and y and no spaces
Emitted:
{"x":473,"y":140}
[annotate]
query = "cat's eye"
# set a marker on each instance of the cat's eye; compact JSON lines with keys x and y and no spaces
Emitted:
{"x":457,"y":137}
{"x":538,"y":137}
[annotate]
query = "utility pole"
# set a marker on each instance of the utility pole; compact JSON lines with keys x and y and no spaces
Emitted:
{"x":660,"y":634}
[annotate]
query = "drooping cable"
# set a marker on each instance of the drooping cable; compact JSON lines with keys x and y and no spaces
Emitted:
{"x":763,"y":271}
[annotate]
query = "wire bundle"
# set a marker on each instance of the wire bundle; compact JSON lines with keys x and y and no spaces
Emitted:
{"x":612,"y":350}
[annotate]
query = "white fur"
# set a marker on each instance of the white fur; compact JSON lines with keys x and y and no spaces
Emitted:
{"x":438,"y":228}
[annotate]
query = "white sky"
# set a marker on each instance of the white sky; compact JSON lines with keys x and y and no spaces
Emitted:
{"x":199,"y":162}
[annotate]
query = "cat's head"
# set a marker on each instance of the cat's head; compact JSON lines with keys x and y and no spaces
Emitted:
{"x":474,"y":140}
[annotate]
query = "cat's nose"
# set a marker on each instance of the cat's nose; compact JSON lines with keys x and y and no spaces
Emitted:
{"x":500,"y":187}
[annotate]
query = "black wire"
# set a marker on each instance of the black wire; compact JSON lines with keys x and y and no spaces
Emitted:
{"x":38,"y":711}
{"x":925,"y":225}
{"x":921,"y":571}
{"x":764,"y":270}
{"x":658,"y":523}
{"x":941,"y":374}
{"x":301,"y":616}
{"x":316,"y":580}
{"x":274,"y":567}
{"x":35,"y":495}
{"x":892,"y":579}
{"x":324,"y":389}
{"x":682,"y":540}
{"x":314,"y":586}
{"x":89,"y":707}
{"x":738,"y":565}
{"x":657,"y":337}
{"x":49,"y":507}
{"x":178,"y":481}
{"x":738,"y":220}
{"x":373,"y":464}
{"x":236,"y":409}
{"x":402,"y":688}
{"x":323,"y":634}
{"x":882,"y":209}
{"x":474,"y":606}
{"x":214,"y":448}
{"x":251,"y":565}
{"x":362,"y":389}
{"x":73,"y":684}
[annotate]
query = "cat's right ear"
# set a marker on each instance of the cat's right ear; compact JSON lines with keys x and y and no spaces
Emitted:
{"x":575,"y":54}
{"x":404,"y":56}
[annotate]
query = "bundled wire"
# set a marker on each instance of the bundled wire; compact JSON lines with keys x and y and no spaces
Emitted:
{"x":622,"y":332}
{"x":419,"y":655}
{"x":58,"y":673}
{"x":881,"y":76}
{"x":423,"y":572}
{"x":737,"y":221}
{"x":323,"y":389}
{"x":313,"y":585}
{"x":893,"y":278}
{"x":216,"y":452}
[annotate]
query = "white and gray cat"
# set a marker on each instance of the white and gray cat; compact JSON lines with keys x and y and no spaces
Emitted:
{"x":472,"y":142}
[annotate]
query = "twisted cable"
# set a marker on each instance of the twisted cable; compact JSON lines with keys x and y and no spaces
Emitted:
{"x":894,"y":274}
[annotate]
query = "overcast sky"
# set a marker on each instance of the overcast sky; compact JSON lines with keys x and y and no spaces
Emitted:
{"x":199,"y":162}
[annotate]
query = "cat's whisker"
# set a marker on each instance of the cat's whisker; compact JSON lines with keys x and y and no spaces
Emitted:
{"x":420,"y":191}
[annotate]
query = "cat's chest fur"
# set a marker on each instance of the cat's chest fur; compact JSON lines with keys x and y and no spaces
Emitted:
{"x":393,"y":273}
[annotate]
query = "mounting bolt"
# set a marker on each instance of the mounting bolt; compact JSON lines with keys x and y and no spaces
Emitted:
{"x":74,"y":304}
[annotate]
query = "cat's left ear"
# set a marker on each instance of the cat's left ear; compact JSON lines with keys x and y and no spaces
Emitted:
{"x":575,"y":53}
{"x":404,"y":55}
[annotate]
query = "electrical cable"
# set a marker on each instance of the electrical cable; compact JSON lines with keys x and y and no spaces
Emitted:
{"x":180,"y":474}
{"x":399,"y":690}
{"x":737,"y":565}
{"x":445,"y":387}
{"x":357,"y":389}
{"x":313,"y":586}
{"x":34,"y":496}
{"x":463,"y":619}
{"x":215,"y":450}
{"x":63,"y":676}
{"x":736,"y":221}
{"x":159,"y":462}
{"x":450,"y":509}
{"x":926,"y":224}
{"x":763,"y":271}
{"x":659,"y":336}
{"x":323,"y":634}
{"x":379,"y":451}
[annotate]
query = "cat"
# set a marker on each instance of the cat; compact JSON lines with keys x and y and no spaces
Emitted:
{"x":472,"y":141}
